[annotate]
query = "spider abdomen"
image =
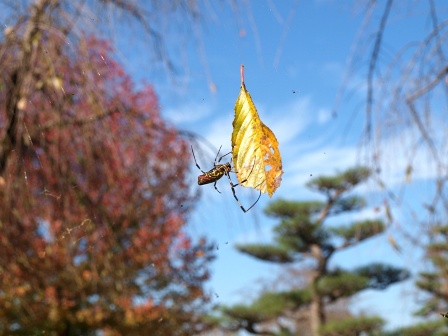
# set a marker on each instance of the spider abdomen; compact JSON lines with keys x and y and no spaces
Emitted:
{"x":214,"y":174}
{"x":218,"y":171}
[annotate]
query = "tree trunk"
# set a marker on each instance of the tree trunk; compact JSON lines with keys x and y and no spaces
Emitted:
{"x":317,"y":312}
{"x":21,"y":78}
{"x":317,"y":309}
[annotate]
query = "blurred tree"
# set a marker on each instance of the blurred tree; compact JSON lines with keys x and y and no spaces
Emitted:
{"x":301,"y":236}
{"x":405,"y":81}
{"x":433,"y":328}
{"x":94,"y":193}
{"x":434,"y":282}
{"x":150,"y":26}
{"x":404,"y":77}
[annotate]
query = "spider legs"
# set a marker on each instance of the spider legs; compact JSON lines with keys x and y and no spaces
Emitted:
{"x":215,"y":162}
{"x":232,"y":186}
{"x":194,"y":157}
{"x":221,"y":155}
{"x":218,"y":171}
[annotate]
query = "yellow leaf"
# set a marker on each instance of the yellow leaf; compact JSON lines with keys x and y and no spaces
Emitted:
{"x":256,"y":157}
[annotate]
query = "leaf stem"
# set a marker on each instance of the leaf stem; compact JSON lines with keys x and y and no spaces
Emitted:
{"x":242,"y":73}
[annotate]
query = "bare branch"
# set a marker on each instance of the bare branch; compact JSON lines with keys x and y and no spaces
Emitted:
{"x":372,"y":65}
{"x":428,"y":87}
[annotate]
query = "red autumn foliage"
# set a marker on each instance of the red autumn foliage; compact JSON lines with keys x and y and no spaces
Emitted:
{"x":93,"y":197}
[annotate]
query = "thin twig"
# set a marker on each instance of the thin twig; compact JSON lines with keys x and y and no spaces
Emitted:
{"x":372,"y":65}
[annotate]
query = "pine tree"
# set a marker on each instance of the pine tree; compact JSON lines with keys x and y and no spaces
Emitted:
{"x":433,"y":328}
{"x":435,"y":283}
{"x":302,"y":235}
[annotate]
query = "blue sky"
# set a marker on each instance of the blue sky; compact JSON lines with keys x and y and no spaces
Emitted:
{"x":295,"y":56}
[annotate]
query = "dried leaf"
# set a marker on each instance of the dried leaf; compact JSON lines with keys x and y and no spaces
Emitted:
{"x":408,"y":173}
{"x":388,"y":212}
{"x":381,"y":184}
{"x":256,"y":156}
{"x":393,"y":243}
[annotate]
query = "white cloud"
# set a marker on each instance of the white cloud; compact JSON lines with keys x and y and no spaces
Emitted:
{"x":321,"y":161}
{"x":396,"y":152}
{"x":188,"y":112}
{"x":310,"y":155}
{"x":290,"y":119}
{"x":286,"y":121}
{"x":404,"y":148}
{"x":323,"y":115}
{"x":219,"y":132}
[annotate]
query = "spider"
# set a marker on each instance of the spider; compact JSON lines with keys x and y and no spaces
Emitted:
{"x":218,"y":171}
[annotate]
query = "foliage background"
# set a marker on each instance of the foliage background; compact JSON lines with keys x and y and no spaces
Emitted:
{"x":296,"y":58}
